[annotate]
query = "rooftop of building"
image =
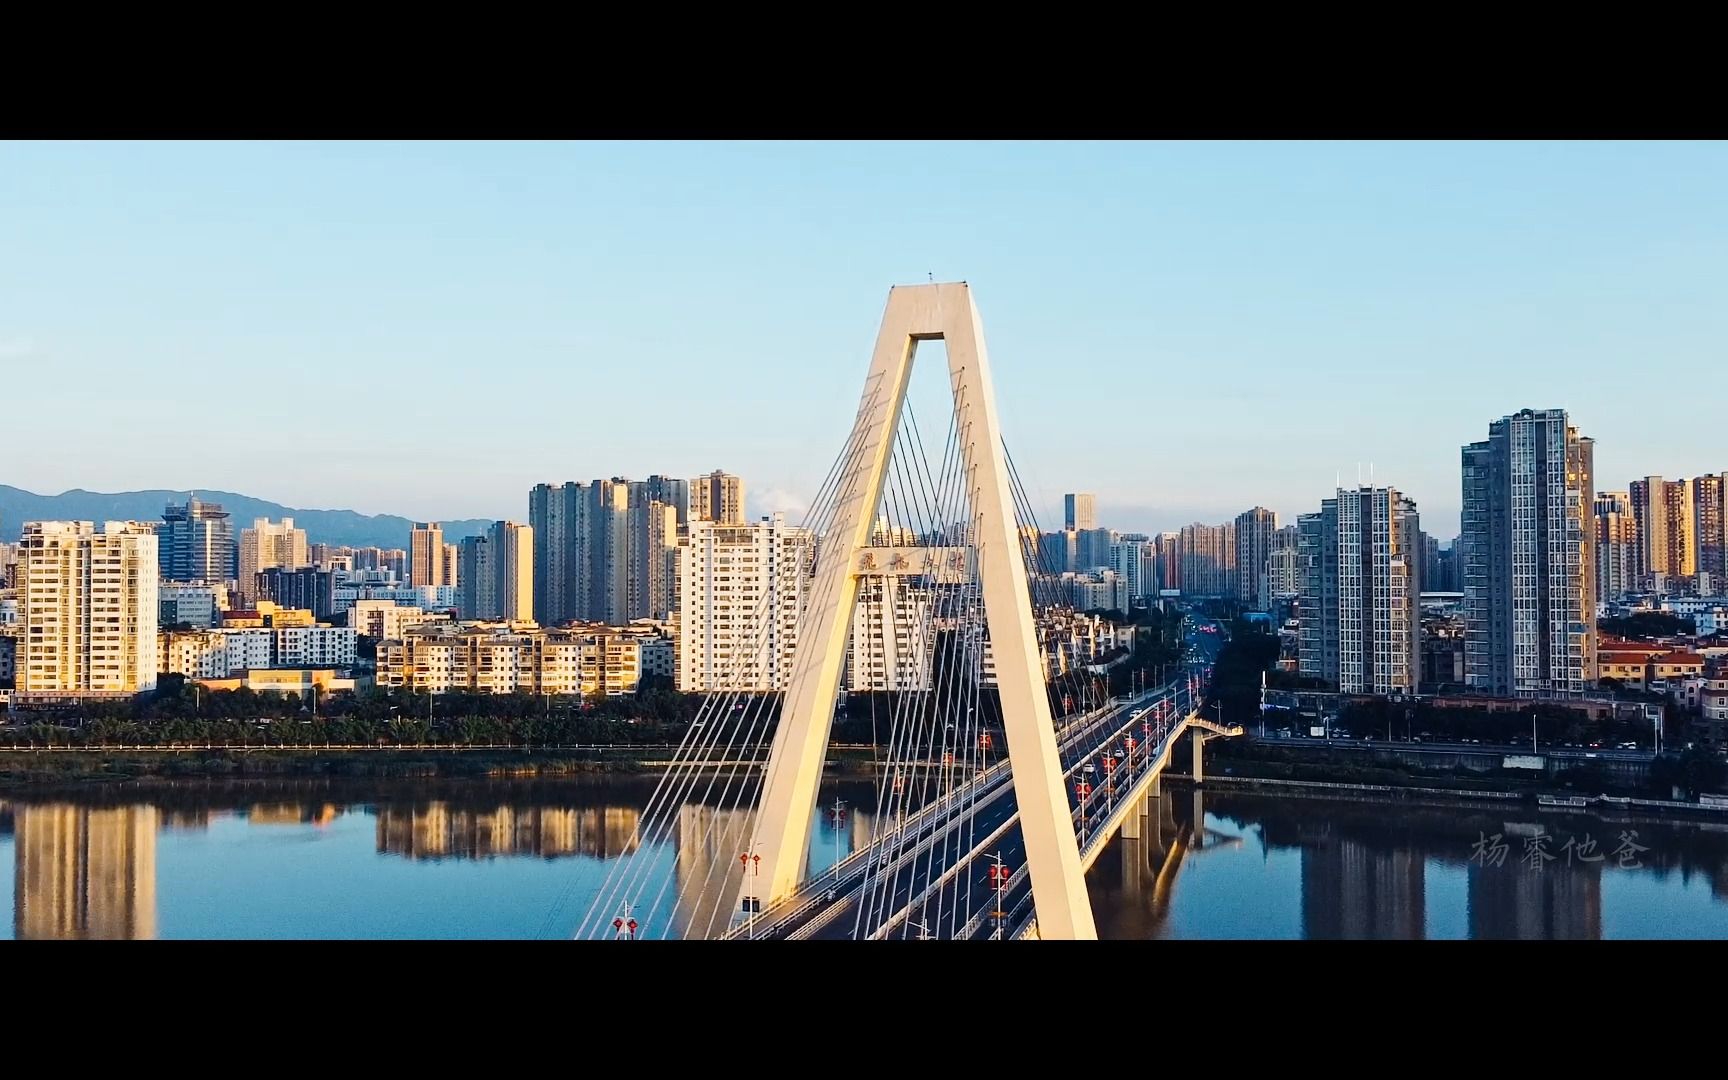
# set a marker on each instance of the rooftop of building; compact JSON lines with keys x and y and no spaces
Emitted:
{"x":1681,"y":658}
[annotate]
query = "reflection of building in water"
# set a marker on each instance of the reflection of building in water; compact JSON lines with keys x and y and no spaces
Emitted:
{"x":1351,"y":891}
{"x":1718,"y":871}
{"x":708,"y":871}
{"x":186,"y":820}
{"x":1556,"y":902}
{"x":292,"y":814}
{"x":439,"y":831}
{"x":830,"y":842}
{"x":84,"y":873}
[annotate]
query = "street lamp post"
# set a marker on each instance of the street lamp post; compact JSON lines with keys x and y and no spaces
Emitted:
{"x":999,"y":883}
{"x":839,"y":817}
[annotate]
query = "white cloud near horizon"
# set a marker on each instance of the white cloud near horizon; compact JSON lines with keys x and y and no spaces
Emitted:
{"x":773,"y":500}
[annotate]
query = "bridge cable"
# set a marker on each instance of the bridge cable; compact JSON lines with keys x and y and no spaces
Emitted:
{"x":718,"y":708}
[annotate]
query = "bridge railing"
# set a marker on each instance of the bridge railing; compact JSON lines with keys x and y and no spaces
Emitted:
{"x":912,"y":835}
{"x":967,"y":858}
{"x":916,"y":830}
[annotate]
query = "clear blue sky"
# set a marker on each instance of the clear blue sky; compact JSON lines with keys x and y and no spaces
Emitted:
{"x":1185,"y":329}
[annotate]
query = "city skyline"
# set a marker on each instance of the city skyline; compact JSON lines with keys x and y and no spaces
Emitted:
{"x":1407,"y":293}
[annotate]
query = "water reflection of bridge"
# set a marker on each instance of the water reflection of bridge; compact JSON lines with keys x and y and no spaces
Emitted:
{"x":1364,"y":876}
{"x":1150,"y":863}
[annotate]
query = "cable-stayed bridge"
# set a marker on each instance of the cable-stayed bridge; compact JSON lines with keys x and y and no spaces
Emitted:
{"x":1002,"y":769}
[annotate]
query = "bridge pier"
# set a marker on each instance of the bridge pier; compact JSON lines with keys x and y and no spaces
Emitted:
{"x":1198,"y":740}
{"x":1133,"y":865}
{"x":1155,"y":789}
{"x":1131,"y":822}
{"x":1199,"y":820}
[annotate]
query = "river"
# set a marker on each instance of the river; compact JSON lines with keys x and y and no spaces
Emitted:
{"x":526,"y":858}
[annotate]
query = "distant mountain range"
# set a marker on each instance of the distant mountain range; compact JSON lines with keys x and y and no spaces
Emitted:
{"x":322,"y":526}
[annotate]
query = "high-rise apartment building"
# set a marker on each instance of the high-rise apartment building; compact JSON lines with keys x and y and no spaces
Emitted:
{"x":497,"y":574}
{"x":1059,"y":552}
{"x":1079,"y":511}
{"x":307,"y":588}
{"x":1254,"y":531}
{"x":1616,"y":546}
{"x":87,"y":608}
{"x":1710,"y":509}
{"x":8,"y":559}
{"x":1667,"y":532}
{"x":1529,"y":559}
{"x":1208,"y":554}
{"x":1360,"y":612}
{"x":426,"y":557}
{"x":1451,"y":571}
{"x":452,"y":564}
{"x":474,"y":562}
{"x":717,"y":497}
{"x":675,"y":493}
{"x":197,"y":542}
{"x":892,"y":644}
{"x":1169,"y":561}
{"x":1431,"y":567}
{"x":1282,"y":578}
{"x":742,"y":590}
{"x":607,"y":551}
{"x":558,"y":514}
{"x":515,"y":559}
{"x":653,"y":569}
{"x":1092,"y":548}
{"x":1098,"y":590}
{"x":194,"y":603}
{"x":1129,"y":562}
{"x":266,"y":545}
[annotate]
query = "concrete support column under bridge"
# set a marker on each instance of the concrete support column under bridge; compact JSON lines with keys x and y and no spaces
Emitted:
{"x":1131,"y":821}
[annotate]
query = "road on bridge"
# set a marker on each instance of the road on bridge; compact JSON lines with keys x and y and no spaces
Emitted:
{"x":932,"y":877}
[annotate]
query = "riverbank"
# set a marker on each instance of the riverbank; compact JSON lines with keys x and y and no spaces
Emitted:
{"x":1477,"y":796}
{"x":1463,"y":768}
{"x":84,"y":766}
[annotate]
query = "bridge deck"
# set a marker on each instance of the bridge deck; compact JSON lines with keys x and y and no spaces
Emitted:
{"x":925,"y":878}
